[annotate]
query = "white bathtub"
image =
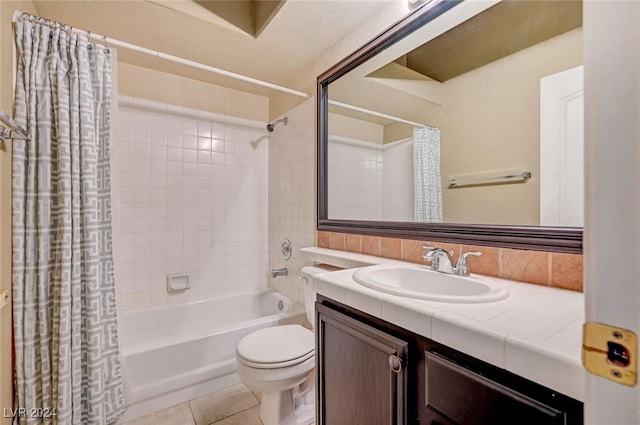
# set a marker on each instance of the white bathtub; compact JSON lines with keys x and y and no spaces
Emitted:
{"x":174,"y":353}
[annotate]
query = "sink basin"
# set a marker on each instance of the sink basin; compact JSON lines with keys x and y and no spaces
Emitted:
{"x":421,"y":283}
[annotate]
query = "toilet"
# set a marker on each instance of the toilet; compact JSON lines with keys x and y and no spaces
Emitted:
{"x":279,"y":362}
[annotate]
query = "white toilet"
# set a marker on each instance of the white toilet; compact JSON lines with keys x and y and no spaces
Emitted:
{"x":279,"y":362}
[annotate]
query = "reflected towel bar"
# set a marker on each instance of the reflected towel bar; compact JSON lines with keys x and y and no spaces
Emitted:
{"x":479,"y":181}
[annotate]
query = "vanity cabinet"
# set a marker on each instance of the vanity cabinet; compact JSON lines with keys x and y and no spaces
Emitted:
{"x":466,"y":397}
{"x":362,"y":370}
{"x":360,"y":381}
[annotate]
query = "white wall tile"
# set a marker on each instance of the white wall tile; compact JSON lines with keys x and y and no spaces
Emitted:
{"x":158,"y":152}
{"x":218,"y":145}
{"x":355,"y":181}
{"x":189,"y":142}
{"x":174,"y":125}
{"x":174,"y":153}
{"x":291,"y":171}
{"x":158,"y":181}
{"x":174,"y":140}
{"x":186,"y":209}
{"x":190,"y":155}
{"x":158,"y":138}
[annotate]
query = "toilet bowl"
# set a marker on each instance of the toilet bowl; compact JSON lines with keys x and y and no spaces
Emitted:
{"x":279,"y":362}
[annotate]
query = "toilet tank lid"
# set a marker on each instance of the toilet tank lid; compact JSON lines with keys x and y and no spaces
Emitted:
{"x":276,"y":344}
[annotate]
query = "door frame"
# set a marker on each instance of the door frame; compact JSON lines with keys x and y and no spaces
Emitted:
{"x":612,"y":183}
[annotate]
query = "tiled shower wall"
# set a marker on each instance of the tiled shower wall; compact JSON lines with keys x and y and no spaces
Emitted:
{"x":369,"y":181}
{"x":292,"y":195}
{"x":191,"y":197}
{"x":399,"y":204}
{"x":356,"y":176}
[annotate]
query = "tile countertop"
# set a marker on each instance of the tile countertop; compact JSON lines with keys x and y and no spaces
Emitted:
{"x":536,"y":332}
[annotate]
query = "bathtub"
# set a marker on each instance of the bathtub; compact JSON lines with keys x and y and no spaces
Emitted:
{"x":174,"y":353}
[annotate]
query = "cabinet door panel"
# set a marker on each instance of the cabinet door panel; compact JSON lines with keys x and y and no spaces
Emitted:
{"x":356,"y":385}
{"x":431,"y":417}
{"x":468,"y":398}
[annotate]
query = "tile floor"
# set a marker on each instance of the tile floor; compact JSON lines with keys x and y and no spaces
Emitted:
{"x":232,"y":406}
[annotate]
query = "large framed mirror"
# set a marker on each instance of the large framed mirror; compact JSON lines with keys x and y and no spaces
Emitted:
{"x":461,"y":123}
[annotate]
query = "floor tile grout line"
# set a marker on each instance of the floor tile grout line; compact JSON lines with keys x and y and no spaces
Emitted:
{"x":237,"y":413}
{"x":191,"y":411}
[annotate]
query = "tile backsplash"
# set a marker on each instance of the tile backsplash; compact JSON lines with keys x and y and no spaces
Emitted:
{"x":191,"y":196}
{"x":542,"y":268}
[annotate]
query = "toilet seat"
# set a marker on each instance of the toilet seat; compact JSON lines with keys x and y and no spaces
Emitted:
{"x":276,"y":347}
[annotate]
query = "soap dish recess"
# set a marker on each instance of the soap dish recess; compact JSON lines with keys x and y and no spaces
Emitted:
{"x":178,"y":282}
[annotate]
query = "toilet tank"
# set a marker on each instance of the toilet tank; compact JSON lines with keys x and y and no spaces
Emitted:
{"x":307,"y":275}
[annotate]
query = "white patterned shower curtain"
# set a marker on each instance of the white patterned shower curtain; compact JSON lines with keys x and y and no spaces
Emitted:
{"x":65,"y":333}
{"x":428,"y":184}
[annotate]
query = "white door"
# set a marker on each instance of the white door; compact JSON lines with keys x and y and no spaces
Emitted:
{"x":612,"y":170}
{"x":562,"y":148}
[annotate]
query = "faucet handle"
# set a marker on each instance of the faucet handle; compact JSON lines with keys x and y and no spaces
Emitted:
{"x":428,"y":255}
{"x":462,"y":269}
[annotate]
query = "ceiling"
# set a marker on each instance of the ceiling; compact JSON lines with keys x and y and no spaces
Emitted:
{"x":296,"y":34}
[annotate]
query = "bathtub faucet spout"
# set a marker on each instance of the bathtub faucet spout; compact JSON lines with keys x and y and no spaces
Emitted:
{"x":279,"y":272}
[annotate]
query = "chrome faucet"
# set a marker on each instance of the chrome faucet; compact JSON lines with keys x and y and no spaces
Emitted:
{"x":462,"y":269}
{"x":441,"y":260}
{"x":279,"y":272}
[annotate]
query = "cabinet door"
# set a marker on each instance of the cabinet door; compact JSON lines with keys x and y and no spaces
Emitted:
{"x":468,"y":398}
{"x":361,"y":372}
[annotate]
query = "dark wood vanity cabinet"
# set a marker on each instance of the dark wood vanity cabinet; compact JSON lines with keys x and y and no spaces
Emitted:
{"x":363,"y":379}
{"x":371,"y":372}
{"x":467,"y":397}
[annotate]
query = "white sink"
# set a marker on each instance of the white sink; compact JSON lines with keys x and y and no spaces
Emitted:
{"x":421,"y":283}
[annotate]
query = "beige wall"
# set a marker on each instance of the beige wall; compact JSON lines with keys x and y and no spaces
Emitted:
{"x":490,"y":120}
{"x":162,"y":87}
{"x":397,"y":131}
{"x":6,"y":103}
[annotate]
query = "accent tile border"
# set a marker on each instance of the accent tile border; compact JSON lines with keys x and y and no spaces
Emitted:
{"x":538,"y":267}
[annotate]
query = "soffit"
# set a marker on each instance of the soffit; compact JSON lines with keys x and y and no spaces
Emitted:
{"x":504,"y":29}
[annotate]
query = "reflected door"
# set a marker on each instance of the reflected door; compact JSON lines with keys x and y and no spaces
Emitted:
{"x":562,"y":149}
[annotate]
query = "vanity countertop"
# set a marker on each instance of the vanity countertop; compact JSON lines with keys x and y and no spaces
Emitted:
{"x":536,"y":332}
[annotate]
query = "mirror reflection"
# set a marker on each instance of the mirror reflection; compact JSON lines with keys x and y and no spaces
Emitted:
{"x":475,"y":118}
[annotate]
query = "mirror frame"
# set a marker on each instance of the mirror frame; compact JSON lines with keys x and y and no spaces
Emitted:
{"x":539,"y":238}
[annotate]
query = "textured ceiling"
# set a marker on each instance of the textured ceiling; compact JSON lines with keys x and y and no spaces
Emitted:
{"x":300,"y":32}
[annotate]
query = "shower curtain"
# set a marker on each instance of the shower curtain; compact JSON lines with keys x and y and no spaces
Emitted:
{"x":65,"y":334}
{"x":428,"y":185}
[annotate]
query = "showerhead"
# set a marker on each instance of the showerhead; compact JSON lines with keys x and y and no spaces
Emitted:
{"x":270,"y":127}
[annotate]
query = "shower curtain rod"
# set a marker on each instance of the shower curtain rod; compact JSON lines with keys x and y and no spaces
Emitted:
{"x":378,"y":114}
{"x":113,"y":42}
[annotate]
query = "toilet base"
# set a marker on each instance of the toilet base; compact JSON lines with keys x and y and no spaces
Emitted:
{"x":288,"y":407}
{"x":277,"y":408}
